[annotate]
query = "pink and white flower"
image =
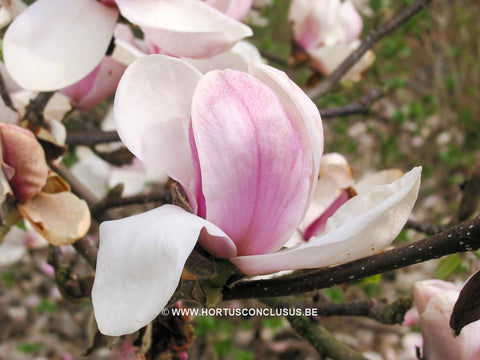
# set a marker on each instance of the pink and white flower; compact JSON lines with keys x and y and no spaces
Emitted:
{"x":329,"y":31}
{"x":56,"y":43}
{"x":246,"y":149}
{"x":434,"y":301}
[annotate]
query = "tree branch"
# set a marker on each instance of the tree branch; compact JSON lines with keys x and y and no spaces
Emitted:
{"x":91,"y":138}
{"x":164,"y":197}
{"x":460,"y":238}
{"x":359,"y":107}
{"x":321,"y":339}
{"x":371,"y":39}
{"x":389,"y":314}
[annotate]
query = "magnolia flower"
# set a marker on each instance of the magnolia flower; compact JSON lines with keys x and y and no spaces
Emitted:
{"x":128,"y":48}
{"x":329,"y":30}
{"x":44,"y":55}
{"x":335,"y":187}
{"x":40,"y":195}
{"x":246,"y":149}
{"x":434,"y":301}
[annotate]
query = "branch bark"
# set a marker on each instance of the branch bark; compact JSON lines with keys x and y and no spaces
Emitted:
{"x":461,"y":238}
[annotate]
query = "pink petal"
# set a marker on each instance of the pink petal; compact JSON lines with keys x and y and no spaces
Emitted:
{"x":350,"y":21}
{"x":236,"y":9}
{"x":96,"y":86}
{"x":255,"y":167}
{"x":188,"y":28}
{"x":361,"y":227}
{"x":152,"y":114}
{"x":335,"y":175}
{"x":301,"y":110}
{"x":318,"y":226}
{"x":55,"y":43}
{"x":140,"y":261}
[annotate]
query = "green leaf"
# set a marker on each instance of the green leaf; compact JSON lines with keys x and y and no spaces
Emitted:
{"x":448,"y":267}
{"x":27,"y":348}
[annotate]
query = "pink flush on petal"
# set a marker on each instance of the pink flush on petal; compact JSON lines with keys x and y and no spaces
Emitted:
{"x":96,"y":86}
{"x":318,"y":226}
{"x":255,"y":167}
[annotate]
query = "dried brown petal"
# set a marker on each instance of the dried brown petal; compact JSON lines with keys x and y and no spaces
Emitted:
{"x":55,"y":184}
{"x":22,"y":153}
{"x":61,"y":218}
{"x":467,"y":307}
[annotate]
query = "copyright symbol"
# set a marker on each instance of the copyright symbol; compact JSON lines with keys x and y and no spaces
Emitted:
{"x":165,"y":312}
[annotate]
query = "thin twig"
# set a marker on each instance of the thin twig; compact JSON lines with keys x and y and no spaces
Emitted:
{"x":77,"y":187}
{"x":359,"y":107}
{"x":470,"y":197}
{"x":91,"y":138}
{"x":5,"y":95}
{"x":321,"y":339}
{"x":34,"y":112}
{"x":371,"y":39}
{"x":164,"y":197}
{"x":389,"y":314}
{"x":429,"y":229}
{"x":461,"y":238}
{"x":89,"y":252}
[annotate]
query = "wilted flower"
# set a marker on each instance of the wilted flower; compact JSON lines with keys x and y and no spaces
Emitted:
{"x":42,"y":197}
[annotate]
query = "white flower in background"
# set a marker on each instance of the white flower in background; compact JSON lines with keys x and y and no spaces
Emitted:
{"x":329,"y":31}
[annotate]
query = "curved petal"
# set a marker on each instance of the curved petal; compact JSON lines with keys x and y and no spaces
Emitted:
{"x":237,"y":58}
{"x":139,"y":265}
{"x":96,"y":86}
{"x":188,"y":28}
{"x":300,"y":109}
{"x":236,"y":9}
{"x":361,"y":227}
{"x":255,"y":167}
{"x":152,"y":113}
{"x":61,"y":218}
{"x":335,"y":175}
{"x":383,"y":177}
{"x":55,"y":43}
{"x":23,"y":161}
{"x":13,"y":248}
{"x":326,"y":59}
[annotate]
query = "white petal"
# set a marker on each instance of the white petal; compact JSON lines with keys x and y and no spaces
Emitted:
{"x":152,"y":113}
{"x":188,"y":28}
{"x":139,"y":265}
{"x":55,"y":43}
{"x":13,"y":247}
{"x":362,"y":226}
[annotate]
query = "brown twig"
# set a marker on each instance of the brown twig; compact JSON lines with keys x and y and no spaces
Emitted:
{"x":389,"y":314}
{"x":359,"y":107}
{"x":470,"y":197}
{"x":371,"y":39}
{"x":429,"y":229}
{"x":164,"y":197}
{"x":91,"y":138}
{"x":34,"y":112}
{"x":5,"y":95}
{"x":461,"y":238}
